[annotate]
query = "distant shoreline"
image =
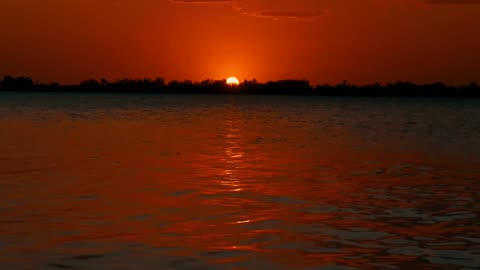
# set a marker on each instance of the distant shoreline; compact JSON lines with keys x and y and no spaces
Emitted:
{"x":219,"y":87}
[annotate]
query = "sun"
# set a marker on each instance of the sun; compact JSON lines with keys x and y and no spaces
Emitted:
{"x":232,"y":81}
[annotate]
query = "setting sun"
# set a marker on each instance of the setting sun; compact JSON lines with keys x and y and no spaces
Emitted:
{"x":232,"y":81}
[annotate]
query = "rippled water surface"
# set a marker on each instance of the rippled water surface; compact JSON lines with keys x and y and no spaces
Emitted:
{"x":238,"y":182}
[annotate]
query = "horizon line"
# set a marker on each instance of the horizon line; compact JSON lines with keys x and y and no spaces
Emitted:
{"x":167,"y":82}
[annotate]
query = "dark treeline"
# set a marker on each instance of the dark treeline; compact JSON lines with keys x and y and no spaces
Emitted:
{"x":282,"y":87}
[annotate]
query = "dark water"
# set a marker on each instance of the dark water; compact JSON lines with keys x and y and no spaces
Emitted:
{"x":222,"y":182}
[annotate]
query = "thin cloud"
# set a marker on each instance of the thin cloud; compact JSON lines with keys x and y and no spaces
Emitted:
{"x":287,"y":14}
{"x":241,"y":7}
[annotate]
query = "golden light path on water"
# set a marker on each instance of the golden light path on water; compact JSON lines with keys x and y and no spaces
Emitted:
{"x":233,"y":156}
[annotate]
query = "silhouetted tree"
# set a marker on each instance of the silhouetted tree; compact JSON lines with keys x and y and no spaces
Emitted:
{"x":17,"y":84}
{"x":90,"y":85}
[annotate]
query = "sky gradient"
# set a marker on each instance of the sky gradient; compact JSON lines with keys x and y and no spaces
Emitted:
{"x":324,"y":41}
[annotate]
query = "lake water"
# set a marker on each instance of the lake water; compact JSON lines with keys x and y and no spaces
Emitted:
{"x":99,"y":181}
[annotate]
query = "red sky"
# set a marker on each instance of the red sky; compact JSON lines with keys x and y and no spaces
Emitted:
{"x":324,"y":41}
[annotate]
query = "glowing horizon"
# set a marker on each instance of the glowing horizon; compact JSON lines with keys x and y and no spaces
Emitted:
{"x":321,"y":41}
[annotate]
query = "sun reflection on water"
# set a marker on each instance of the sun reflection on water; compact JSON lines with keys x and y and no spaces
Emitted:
{"x":233,"y":156}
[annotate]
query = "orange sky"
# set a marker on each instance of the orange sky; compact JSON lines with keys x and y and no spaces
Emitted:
{"x":324,"y":41}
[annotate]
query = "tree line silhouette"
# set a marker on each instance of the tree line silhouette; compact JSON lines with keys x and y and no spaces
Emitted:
{"x":281,"y":87}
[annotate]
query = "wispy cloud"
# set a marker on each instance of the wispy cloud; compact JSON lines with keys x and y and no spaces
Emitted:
{"x":304,"y":10}
{"x":286,"y":14}
{"x":245,"y":7}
